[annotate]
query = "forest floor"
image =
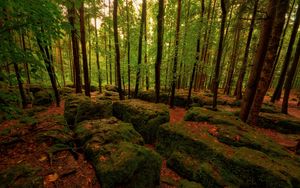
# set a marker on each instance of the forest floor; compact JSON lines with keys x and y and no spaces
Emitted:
{"x":29,"y":143}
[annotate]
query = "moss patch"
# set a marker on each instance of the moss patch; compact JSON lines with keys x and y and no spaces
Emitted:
{"x":201,"y":157}
{"x":146,"y":117}
{"x":21,"y":175}
{"x":42,"y":98}
{"x":79,"y":108}
{"x":280,"y":122}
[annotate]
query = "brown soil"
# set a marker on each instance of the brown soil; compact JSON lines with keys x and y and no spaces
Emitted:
{"x":62,"y":170}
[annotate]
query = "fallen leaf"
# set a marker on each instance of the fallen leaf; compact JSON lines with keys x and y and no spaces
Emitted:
{"x":43,"y":158}
{"x":52,"y":177}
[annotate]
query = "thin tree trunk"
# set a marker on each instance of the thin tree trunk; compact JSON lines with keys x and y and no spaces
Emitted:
{"x":146,"y":51}
{"x":97,"y":58}
{"x":289,"y":80}
{"x":128,"y":46}
{"x":117,"y":48}
{"x":26,"y":67}
{"x":282,"y":39}
{"x":160,"y":39}
{"x":138,"y":73}
{"x":109,"y":47}
{"x":239,"y":84}
{"x":220,"y":50}
{"x":174,"y":71}
{"x":258,"y":61}
{"x":61,"y":63}
{"x":278,"y":90}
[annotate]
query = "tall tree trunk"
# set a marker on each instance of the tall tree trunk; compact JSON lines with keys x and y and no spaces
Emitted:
{"x":197,"y":55}
{"x":258,"y":61}
{"x":109,"y":47}
{"x":26,"y":67}
{"x":75,"y":47}
{"x":87,"y":89}
{"x":138,"y":73}
{"x":289,"y":80}
{"x":266,"y":75}
{"x":20,"y":85}
{"x":106,"y":59}
{"x":160,"y":39}
{"x":61,"y":63}
{"x":239,"y":84}
{"x":117,"y":48}
{"x":128,"y":46}
{"x":97,"y":58}
{"x":174,"y":71}
{"x":233,"y":58}
{"x":145,"y":53}
{"x":278,"y":90}
{"x":181,"y":72}
{"x":220,"y":50}
{"x":49,"y":66}
{"x":282,"y":39}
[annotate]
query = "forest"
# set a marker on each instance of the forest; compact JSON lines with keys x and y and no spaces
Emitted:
{"x":150,"y":93}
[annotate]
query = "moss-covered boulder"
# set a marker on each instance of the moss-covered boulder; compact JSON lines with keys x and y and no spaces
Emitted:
{"x":146,"y":117}
{"x":111,"y":93}
{"x":116,"y":154}
{"x":66,"y":91}
{"x":111,"y":88}
{"x":110,"y":130}
{"x":21,"y":175}
{"x":79,"y":108}
{"x":280,"y":122}
{"x":199,"y":156}
{"x":34,"y":88}
{"x":42,"y":98}
{"x":127,"y":165}
{"x":200,"y":114}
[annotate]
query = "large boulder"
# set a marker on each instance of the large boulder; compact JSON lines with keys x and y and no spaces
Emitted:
{"x":116,"y":154}
{"x":280,"y":122}
{"x":146,"y":117}
{"x":42,"y":98}
{"x":111,"y":88}
{"x":200,"y":154}
{"x":79,"y":108}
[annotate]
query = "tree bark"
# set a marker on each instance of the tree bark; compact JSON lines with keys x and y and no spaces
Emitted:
{"x":75,"y":47}
{"x":278,"y":90}
{"x":138,"y":73}
{"x":220,"y":50}
{"x":258,"y":61}
{"x":160,"y":39}
{"x":266,"y":75}
{"x":174,"y":71}
{"x":97,"y":58}
{"x":117,"y":48}
{"x":87,"y":89}
{"x":289,"y":80}
{"x":145,"y":53}
{"x":128,"y":47}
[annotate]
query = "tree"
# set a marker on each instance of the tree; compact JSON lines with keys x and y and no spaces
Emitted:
{"x":289,"y":79}
{"x":83,"y":48}
{"x":219,"y":56}
{"x":173,"y":85}
{"x":239,"y":84}
{"x":128,"y":46}
{"x":140,"y":48}
{"x":160,"y":39}
{"x":266,"y":75}
{"x":277,"y":93}
{"x":117,"y":48}
{"x":258,"y":61}
{"x":75,"y":46}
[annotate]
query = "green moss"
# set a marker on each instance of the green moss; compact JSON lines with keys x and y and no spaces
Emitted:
{"x":200,"y":114}
{"x":238,"y":166}
{"x":127,"y":165}
{"x":79,"y":108}
{"x":106,"y":131}
{"x":28,"y":120}
{"x":145,"y":117}
{"x":189,"y":184}
{"x":42,"y":98}
{"x":280,"y":122}
{"x":111,"y":88}
{"x":21,"y":175}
